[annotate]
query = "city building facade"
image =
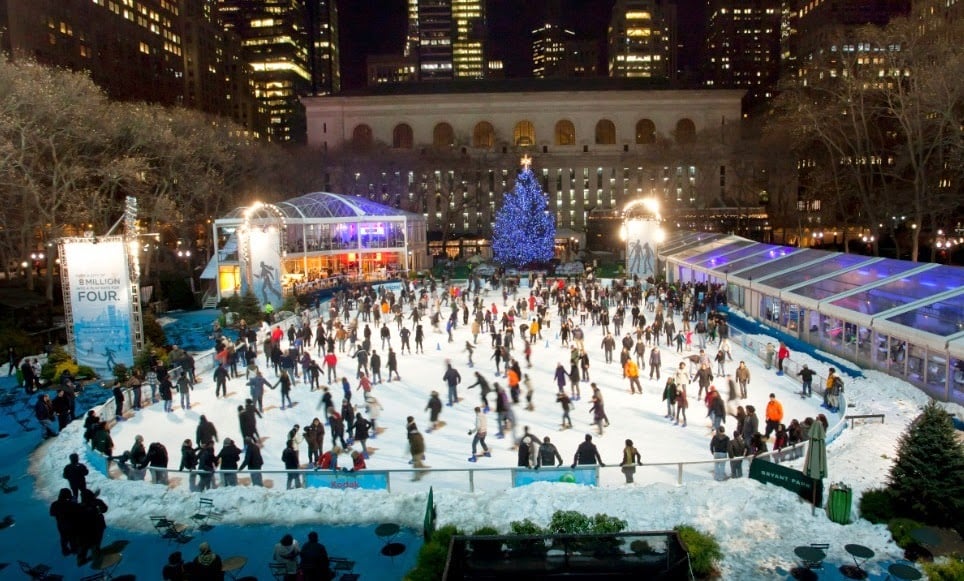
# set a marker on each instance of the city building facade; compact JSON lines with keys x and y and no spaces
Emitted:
{"x":451,"y":155}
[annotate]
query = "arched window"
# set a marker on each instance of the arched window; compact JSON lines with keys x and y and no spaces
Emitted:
{"x":443,"y":136}
{"x":524,"y":134}
{"x":402,"y":136}
{"x":605,"y":132}
{"x":483,"y":135}
{"x":685,"y":131}
{"x":361,"y":136}
{"x":645,"y":132}
{"x":565,"y":132}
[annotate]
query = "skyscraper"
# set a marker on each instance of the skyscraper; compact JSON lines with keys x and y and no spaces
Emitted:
{"x":448,"y":37}
{"x":743,"y":45}
{"x":292,"y":48}
{"x":324,"y":55}
{"x":642,"y":39}
{"x":549,"y":49}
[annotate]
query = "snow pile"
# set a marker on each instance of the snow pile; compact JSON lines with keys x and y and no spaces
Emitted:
{"x":757,"y":525}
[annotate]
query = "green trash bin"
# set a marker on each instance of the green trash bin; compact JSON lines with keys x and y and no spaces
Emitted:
{"x":839,"y":502}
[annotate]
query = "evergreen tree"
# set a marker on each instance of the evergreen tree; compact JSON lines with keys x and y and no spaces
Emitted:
{"x":927,"y":479}
{"x":525,"y":229}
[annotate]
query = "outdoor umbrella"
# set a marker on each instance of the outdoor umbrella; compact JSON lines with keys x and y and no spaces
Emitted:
{"x":815,"y":466}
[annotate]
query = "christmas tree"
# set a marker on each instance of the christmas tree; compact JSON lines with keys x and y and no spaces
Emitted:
{"x":525,"y":230}
{"x":927,"y":479}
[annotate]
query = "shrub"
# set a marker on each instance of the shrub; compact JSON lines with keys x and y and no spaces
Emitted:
{"x":900,"y":529}
{"x":153,"y":332}
{"x":603,"y":523}
{"x":703,"y":549}
{"x":927,"y":478}
{"x":430,"y":564}
{"x":486,"y":549}
{"x":534,"y":547}
{"x":57,"y":362}
{"x":950,"y":569}
{"x":569,"y":522}
{"x":877,"y":505}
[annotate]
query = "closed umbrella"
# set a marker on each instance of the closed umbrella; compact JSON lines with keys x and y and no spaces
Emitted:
{"x":815,"y":465}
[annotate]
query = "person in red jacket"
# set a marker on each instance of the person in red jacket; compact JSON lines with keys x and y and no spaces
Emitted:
{"x":782,"y":353}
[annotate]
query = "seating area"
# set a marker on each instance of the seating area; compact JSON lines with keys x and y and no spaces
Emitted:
{"x":170,"y":530}
{"x":205,"y":513}
{"x":38,"y":571}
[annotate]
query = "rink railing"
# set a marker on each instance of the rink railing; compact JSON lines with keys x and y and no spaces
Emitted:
{"x":416,"y":479}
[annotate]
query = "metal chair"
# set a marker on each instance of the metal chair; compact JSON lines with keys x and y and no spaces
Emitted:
{"x":38,"y":571}
{"x":206,"y":512}
{"x":170,"y":530}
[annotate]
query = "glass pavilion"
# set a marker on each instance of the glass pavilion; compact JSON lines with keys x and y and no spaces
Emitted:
{"x":904,"y":318}
{"x":325,"y":238}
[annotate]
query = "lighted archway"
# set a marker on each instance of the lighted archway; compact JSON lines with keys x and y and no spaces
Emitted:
{"x":565,"y":132}
{"x":605,"y":132}
{"x":524,"y":134}
{"x":483,"y":135}
{"x":443,"y":136}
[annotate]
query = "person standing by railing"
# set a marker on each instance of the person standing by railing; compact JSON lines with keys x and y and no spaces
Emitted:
{"x":631,"y":459}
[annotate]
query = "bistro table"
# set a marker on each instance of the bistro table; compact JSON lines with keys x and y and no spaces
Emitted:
{"x":860,"y":556}
{"x":903,"y":572}
{"x":233,"y":565}
{"x":812,"y":557}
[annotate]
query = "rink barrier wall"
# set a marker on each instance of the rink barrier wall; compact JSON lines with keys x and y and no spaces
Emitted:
{"x":513,"y":475}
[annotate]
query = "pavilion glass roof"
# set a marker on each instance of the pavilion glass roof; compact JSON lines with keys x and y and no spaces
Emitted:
{"x":781,"y":263}
{"x":904,"y":290}
{"x":719,"y":260}
{"x":942,"y":318}
{"x":676,"y":246}
{"x":848,"y":281}
{"x":690,"y":254}
{"x":729,"y":246}
{"x":755,"y":260}
{"x":829,"y":266}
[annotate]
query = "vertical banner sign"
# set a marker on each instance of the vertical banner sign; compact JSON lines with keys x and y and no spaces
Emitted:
{"x":100,"y":298}
{"x":642,"y":236}
{"x":264,"y":266}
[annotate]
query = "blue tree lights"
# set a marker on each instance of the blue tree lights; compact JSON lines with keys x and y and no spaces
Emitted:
{"x":525,"y":229}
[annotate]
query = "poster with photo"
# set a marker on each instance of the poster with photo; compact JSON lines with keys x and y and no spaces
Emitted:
{"x":99,"y":290}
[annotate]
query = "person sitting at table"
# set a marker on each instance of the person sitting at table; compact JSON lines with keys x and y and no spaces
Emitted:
{"x":315,"y":565}
{"x":207,"y":565}
{"x":286,"y":552}
{"x":174,"y":569}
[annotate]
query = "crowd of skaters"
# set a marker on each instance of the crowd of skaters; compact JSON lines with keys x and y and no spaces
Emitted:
{"x":314,"y":353}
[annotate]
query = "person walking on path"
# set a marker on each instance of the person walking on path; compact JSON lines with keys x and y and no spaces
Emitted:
{"x":719,"y":447}
{"x":285,"y":382}
{"x":434,"y":408}
{"x":682,"y":402}
{"x":566,"y":404}
{"x":478,"y":433}
{"x":774,"y":415}
{"x":598,"y":412}
{"x":452,"y":379}
{"x":631,"y":371}
{"x":631,"y":459}
{"x":736,"y":449}
{"x":76,"y":475}
{"x":416,"y":446}
{"x":743,"y":378}
{"x":655,"y":362}
{"x":783,"y":353}
{"x":806,"y":377}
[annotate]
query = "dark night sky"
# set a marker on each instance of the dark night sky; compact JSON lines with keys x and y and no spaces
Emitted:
{"x":378,"y":27}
